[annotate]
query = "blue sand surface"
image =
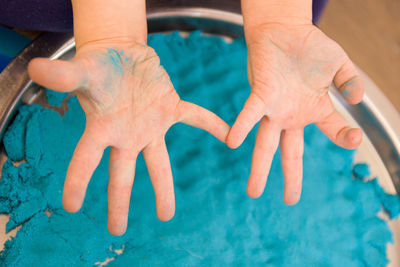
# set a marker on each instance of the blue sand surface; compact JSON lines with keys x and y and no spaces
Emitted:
{"x":216,"y":223}
{"x":55,"y":98}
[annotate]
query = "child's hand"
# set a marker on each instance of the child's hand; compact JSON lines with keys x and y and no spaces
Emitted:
{"x":130,"y":103}
{"x":290,"y":69}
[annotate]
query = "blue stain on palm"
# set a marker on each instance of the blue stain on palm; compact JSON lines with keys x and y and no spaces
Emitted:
{"x":119,"y":62}
{"x":117,"y":59}
{"x":215,"y":224}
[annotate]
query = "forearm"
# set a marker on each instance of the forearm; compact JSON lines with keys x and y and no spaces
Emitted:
{"x":257,"y":12}
{"x":105,"y":21}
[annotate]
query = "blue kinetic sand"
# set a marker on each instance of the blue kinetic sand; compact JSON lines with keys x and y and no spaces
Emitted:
{"x":216,"y":223}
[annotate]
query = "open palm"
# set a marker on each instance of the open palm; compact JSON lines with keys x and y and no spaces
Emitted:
{"x":290,"y":69}
{"x":129,"y":103}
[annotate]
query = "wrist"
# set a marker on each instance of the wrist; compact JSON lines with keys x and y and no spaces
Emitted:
{"x":104,"y":45}
{"x":101,"y":22}
{"x":287,"y":12}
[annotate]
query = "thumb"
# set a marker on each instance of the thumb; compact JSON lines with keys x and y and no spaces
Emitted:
{"x":58,"y":75}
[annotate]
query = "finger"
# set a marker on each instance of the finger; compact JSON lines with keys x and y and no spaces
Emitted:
{"x":252,"y":112}
{"x":292,"y":147}
{"x":267,"y":141}
{"x":336,"y":128}
{"x":202,"y":118}
{"x":157,"y":161}
{"x":122,"y":173}
{"x":58,"y":75}
{"x":349,"y":83}
{"x":86,"y":157}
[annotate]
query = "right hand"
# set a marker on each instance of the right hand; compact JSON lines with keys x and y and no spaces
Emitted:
{"x":290,"y":70}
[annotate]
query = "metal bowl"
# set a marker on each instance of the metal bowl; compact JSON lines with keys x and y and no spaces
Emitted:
{"x":375,"y":115}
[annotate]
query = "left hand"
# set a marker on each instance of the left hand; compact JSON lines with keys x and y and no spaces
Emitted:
{"x":130,"y":103}
{"x":290,"y":69}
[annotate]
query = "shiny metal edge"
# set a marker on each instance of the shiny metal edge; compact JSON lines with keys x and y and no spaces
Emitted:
{"x":389,"y":128}
{"x":377,"y":117}
{"x":385,"y":111}
{"x":211,"y":21}
{"x":380,"y":122}
{"x":14,"y":79}
{"x":234,"y":18}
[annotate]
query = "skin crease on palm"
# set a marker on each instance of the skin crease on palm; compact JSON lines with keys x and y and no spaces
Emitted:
{"x":129,"y":103}
{"x":290,"y":69}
